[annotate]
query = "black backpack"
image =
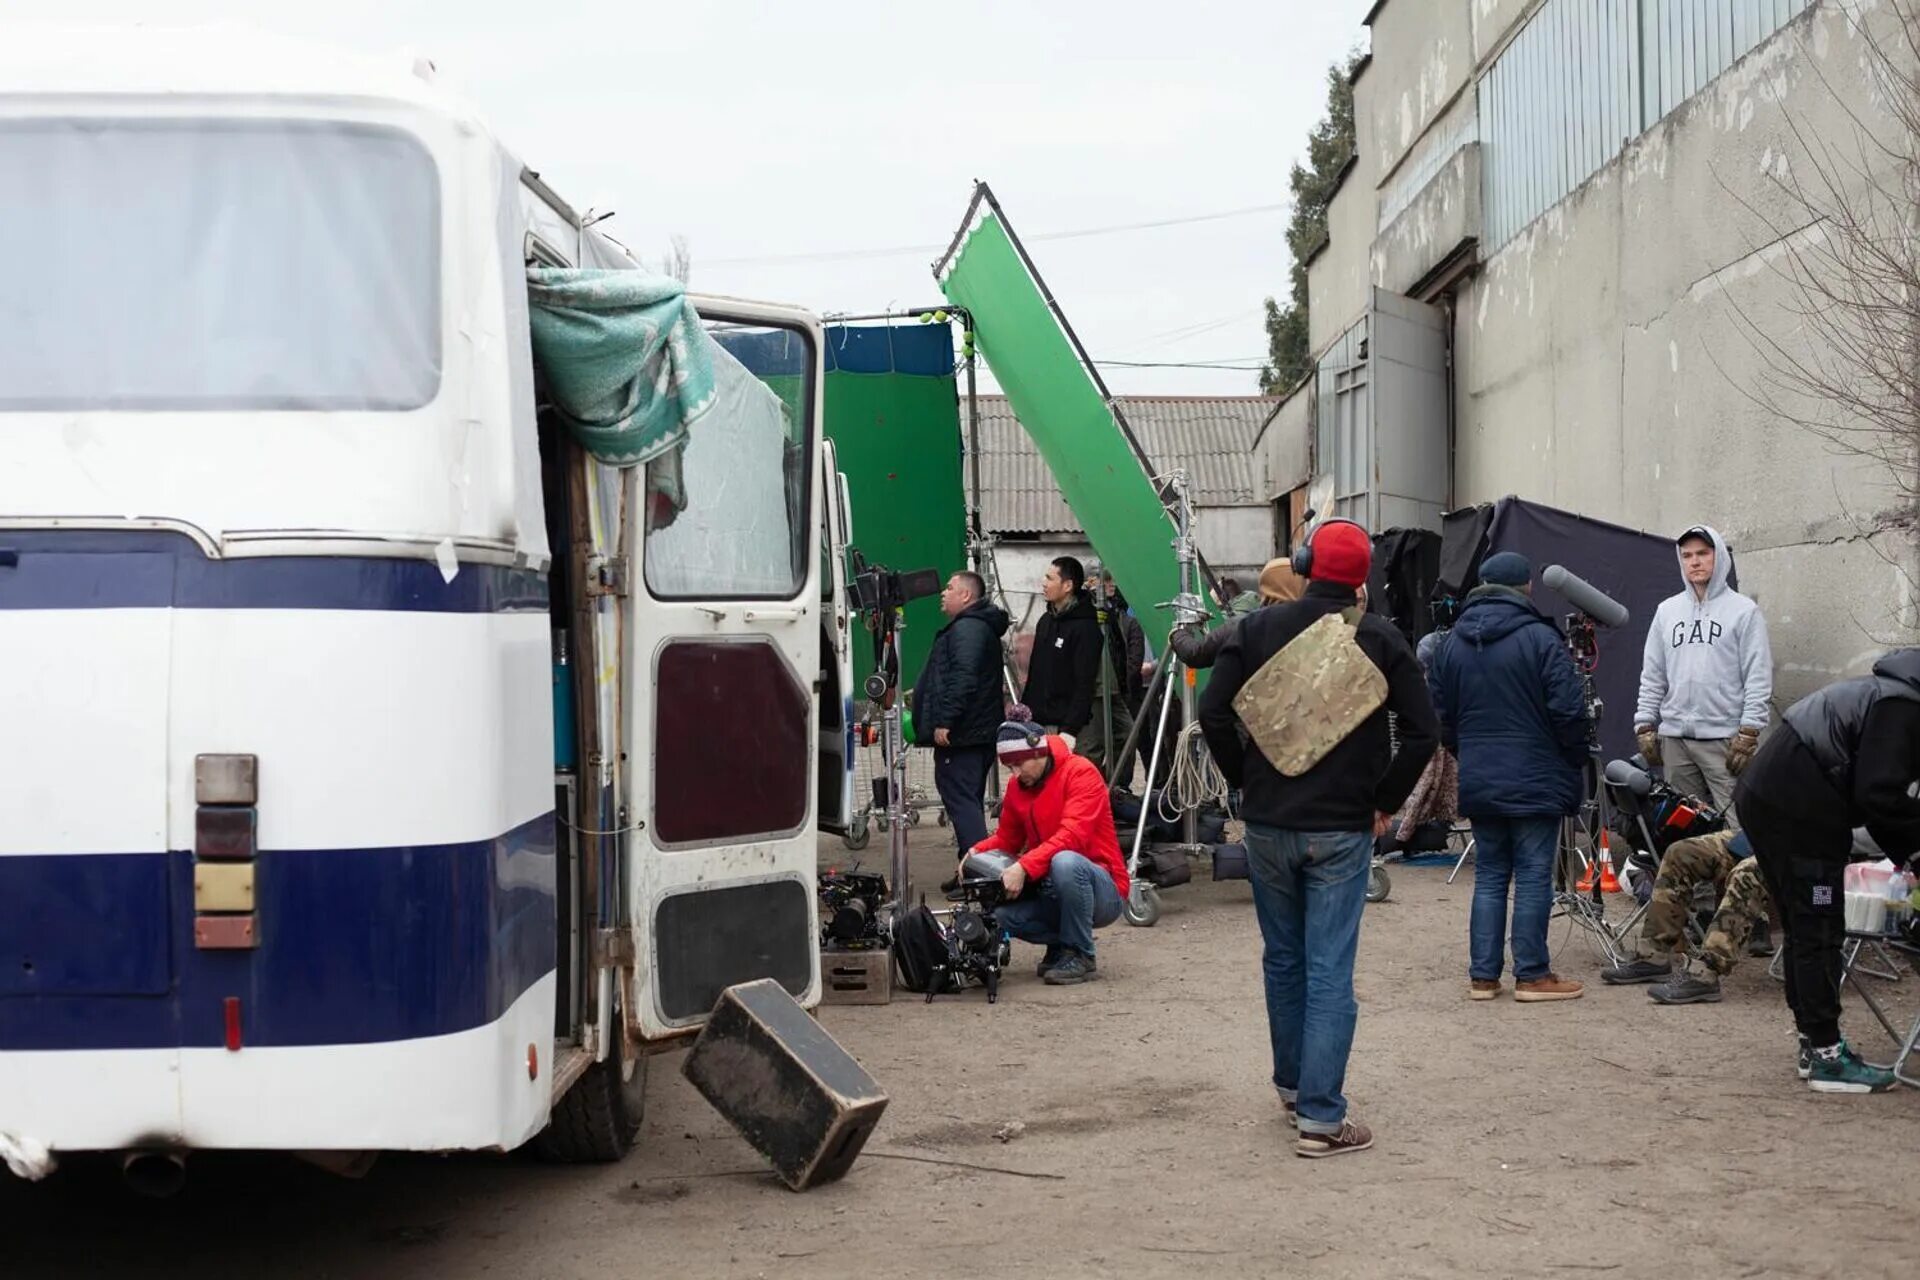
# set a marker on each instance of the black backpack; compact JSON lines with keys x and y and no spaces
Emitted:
{"x":919,"y":948}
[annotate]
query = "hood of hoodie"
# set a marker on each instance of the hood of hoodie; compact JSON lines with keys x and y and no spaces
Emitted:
{"x":1080,"y":613}
{"x":988,"y":612}
{"x":1902,"y":665}
{"x":1494,"y":613}
{"x":1722,"y":563}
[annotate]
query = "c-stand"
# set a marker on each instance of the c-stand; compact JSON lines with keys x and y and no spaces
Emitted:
{"x":1578,"y":895}
{"x":882,"y":594}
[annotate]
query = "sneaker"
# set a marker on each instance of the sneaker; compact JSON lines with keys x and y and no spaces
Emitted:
{"x":1638,"y":969}
{"x":1839,"y":1070}
{"x":1072,"y":970}
{"x":1686,"y":988}
{"x":1760,"y":945}
{"x":1053,"y":957}
{"x":1293,"y":1112}
{"x":1805,"y":1066}
{"x":1483,"y":989}
{"x":1551,"y":987}
{"x":1316,"y":1146}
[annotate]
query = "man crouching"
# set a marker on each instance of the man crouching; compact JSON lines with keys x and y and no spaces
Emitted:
{"x":1057,"y":823}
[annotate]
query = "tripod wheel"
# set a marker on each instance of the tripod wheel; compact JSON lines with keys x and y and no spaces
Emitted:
{"x":1142,"y":908}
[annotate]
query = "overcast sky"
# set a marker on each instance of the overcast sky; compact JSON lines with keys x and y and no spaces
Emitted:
{"x":772,"y":134}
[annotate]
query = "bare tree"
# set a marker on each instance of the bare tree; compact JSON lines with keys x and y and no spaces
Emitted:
{"x":1847,"y":369}
{"x":678,"y":262}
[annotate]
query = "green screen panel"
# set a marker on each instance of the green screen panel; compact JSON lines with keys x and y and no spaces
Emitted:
{"x":898,"y":440}
{"x":1063,"y":412}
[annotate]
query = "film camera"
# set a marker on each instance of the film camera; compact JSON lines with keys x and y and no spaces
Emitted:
{"x":878,"y":589}
{"x":977,"y":949}
{"x":851,"y":905}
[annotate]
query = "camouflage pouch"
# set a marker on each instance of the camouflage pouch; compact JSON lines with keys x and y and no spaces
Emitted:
{"x":1311,"y":695}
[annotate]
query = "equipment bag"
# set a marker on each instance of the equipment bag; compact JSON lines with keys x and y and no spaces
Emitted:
{"x":1311,"y":695}
{"x":919,"y":948}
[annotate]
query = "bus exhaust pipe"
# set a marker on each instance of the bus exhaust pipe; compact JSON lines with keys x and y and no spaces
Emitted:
{"x":154,"y":1174}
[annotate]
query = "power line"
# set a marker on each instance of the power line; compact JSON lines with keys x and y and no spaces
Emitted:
{"x":1244,"y":364}
{"x":901,"y":251}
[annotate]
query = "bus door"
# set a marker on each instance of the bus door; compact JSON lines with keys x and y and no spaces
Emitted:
{"x":835,"y":690}
{"x":720,"y":716}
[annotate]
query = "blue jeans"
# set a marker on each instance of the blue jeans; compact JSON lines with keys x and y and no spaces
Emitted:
{"x":1516,"y":851}
{"x":1064,"y":909}
{"x":1308,"y":890}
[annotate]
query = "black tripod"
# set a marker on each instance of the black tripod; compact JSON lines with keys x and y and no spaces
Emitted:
{"x":1583,"y":837}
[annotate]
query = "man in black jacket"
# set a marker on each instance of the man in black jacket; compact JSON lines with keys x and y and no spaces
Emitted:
{"x":1846,"y":756}
{"x":1310,"y":838}
{"x":1066,"y":652}
{"x":958,"y":703}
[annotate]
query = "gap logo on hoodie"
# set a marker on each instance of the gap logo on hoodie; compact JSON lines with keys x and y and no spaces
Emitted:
{"x":1708,"y":665}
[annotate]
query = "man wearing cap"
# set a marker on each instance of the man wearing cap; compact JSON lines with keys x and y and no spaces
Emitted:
{"x":1513,"y":712}
{"x":1310,"y":836}
{"x":1706,"y":680}
{"x":1068,"y":877}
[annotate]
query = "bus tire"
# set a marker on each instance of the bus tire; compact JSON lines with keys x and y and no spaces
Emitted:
{"x":598,"y":1120}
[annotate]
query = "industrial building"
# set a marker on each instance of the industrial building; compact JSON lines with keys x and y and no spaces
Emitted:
{"x":1562,"y":263}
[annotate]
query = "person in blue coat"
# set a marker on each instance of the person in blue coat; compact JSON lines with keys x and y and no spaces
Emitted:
{"x":1513,"y":712}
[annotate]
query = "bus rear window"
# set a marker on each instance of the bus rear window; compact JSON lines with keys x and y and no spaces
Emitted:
{"x":217,"y":265}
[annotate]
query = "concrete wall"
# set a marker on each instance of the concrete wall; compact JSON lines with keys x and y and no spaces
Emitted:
{"x":1493,"y":19}
{"x":1423,"y":56}
{"x":1338,"y":279}
{"x":1603,"y":360}
{"x":1285,"y":446}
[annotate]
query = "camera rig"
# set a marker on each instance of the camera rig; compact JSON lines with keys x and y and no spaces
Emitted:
{"x":977,"y":948}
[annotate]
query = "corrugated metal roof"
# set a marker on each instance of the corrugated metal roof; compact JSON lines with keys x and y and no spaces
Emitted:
{"x":1211,"y":436}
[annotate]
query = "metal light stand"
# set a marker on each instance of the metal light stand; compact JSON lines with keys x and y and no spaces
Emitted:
{"x":1587,"y":910}
{"x":1143,"y":900}
{"x":883,"y":687}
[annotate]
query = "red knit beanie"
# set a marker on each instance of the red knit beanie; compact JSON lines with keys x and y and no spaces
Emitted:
{"x":1342,"y":553}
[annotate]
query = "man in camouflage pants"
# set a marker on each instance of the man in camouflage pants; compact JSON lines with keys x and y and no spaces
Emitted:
{"x":1725,"y":861}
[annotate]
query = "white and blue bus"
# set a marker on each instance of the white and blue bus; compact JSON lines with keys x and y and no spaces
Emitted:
{"x":378,"y":770}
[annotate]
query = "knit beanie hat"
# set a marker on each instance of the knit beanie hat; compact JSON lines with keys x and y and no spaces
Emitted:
{"x":1019,"y":741}
{"x":1279,"y":583}
{"x":1342,"y":553}
{"x":1506,"y":569}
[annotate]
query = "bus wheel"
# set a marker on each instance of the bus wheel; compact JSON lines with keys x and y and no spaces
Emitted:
{"x":599,"y":1119}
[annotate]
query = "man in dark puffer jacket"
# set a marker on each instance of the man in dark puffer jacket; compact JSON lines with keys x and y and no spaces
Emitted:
{"x":958,"y":703}
{"x":1513,"y":711}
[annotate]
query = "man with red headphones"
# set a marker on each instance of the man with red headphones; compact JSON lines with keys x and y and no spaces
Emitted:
{"x":1310,"y":837}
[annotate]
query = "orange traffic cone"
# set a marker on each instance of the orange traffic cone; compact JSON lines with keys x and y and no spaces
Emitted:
{"x":1586,"y":877}
{"x":1609,"y":883}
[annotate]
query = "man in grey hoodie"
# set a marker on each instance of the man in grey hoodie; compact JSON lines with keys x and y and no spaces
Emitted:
{"x":1707,"y":678}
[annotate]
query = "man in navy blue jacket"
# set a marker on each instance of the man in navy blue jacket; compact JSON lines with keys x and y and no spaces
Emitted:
{"x":1513,"y":711}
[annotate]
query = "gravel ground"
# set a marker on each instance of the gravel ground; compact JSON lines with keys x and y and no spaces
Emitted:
{"x":1127,"y":1127}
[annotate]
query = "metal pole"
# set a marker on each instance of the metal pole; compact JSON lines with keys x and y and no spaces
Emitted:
{"x":1153,"y":764}
{"x":1186,"y":609}
{"x":894,"y":753}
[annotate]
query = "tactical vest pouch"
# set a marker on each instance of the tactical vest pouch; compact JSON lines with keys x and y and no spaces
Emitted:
{"x":1311,"y":695}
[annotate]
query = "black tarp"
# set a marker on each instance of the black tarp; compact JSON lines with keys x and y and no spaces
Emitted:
{"x":1637,"y":569}
{"x":1406,"y":566}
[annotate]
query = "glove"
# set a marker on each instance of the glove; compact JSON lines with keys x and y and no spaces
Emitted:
{"x":1649,"y":739}
{"x":1740,"y":749}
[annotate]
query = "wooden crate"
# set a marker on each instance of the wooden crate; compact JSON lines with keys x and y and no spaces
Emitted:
{"x":856,"y":977}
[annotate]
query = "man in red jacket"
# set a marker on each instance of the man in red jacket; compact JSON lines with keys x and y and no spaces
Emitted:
{"x":1057,"y":823}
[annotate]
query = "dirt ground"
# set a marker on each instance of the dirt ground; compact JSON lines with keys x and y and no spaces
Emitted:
{"x":1606,"y":1136}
